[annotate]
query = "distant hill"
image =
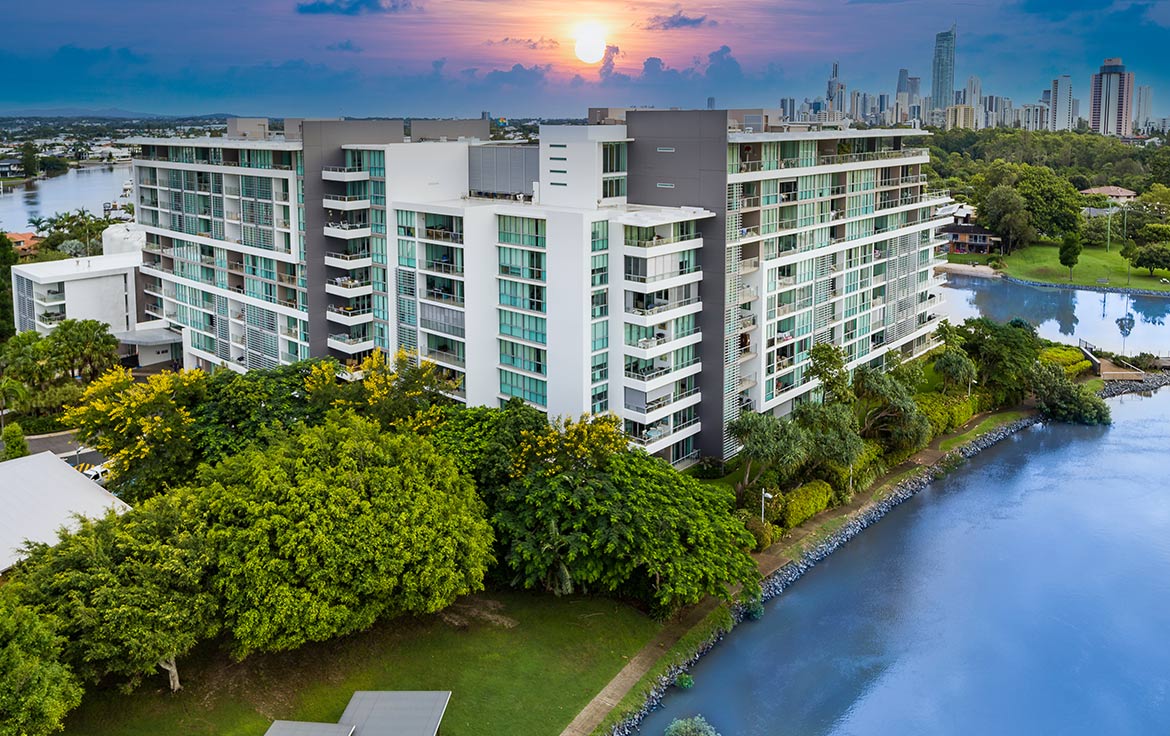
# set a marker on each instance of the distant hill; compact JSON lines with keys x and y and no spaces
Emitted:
{"x":109,"y":112}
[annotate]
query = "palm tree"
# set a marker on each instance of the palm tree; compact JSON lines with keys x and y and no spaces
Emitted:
{"x":84,"y":348}
{"x":38,"y":224}
{"x":12,"y":391}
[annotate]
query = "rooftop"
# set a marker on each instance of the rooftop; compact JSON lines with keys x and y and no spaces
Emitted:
{"x":378,"y":713}
{"x":1110,"y":191}
{"x":41,"y":493}
{"x":78,"y":268}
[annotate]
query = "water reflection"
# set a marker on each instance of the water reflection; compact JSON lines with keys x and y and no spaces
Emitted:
{"x":1115,"y":322}
{"x":86,"y":188}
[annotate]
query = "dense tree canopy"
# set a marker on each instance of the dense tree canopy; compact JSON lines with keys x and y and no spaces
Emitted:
{"x":1004,"y":355}
{"x":36,"y":689}
{"x":320,"y":534}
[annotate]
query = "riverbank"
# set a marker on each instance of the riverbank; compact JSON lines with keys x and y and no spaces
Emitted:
{"x":898,"y":486}
{"x":1039,"y":265}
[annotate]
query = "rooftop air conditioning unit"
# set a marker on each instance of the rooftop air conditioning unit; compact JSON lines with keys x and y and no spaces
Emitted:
{"x":749,"y":129}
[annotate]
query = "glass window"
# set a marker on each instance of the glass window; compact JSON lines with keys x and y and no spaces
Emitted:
{"x":600,"y":236}
{"x":599,"y":270}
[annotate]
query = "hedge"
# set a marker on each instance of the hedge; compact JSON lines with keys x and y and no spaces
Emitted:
{"x":806,"y":501}
{"x":946,"y":413}
{"x":865,"y":470}
{"x":1071,"y":359}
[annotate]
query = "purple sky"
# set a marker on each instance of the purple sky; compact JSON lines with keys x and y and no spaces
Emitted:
{"x":513,"y":57}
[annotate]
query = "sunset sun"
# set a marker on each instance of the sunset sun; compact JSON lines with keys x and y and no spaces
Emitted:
{"x":590,"y":46}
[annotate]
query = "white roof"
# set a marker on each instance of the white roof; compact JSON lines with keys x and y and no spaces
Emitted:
{"x":79,"y":268}
{"x":41,"y":493}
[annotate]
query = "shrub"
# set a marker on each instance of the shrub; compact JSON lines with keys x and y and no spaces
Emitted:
{"x":684,"y":681}
{"x":761,"y":531}
{"x":1144,"y":361}
{"x":945,"y":413}
{"x":710,"y":468}
{"x":754,"y":609}
{"x":1059,"y":398}
{"x":806,"y":501}
{"x":13,"y":439}
{"x":696,"y":726}
{"x":865,"y":470}
{"x":33,"y":425}
{"x":1071,"y":359}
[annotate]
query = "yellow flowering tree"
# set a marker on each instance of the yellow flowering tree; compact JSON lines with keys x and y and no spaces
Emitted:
{"x":395,"y":390}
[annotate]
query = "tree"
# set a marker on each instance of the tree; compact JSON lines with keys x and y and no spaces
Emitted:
{"x":696,"y":726}
{"x":394,"y":391}
{"x":14,"y":443}
{"x":1003,"y":355}
{"x":131,"y":593}
{"x":1053,"y":203}
{"x":1058,"y":398}
{"x":322,"y":533}
{"x":27,"y":359}
{"x":886,"y":411}
{"x":827,"y":365}
{"x":830,"y":432}
{"x":36,"y":689}
{"x":768,"y":442}
{"x":8,"y":259}
{"x":624,"y":523}
{"x":145,"y":429}
{"x":1158,"y":195}
{"x":12,"y":392}
{"x":28,"y":158}
{"x":1070,"y":252}
{"x":1004,"y":212}
{"x":83,"y":348}
{"x":1153,"y":233}
{"x":1151,"y":257}
{"x":955,"y":369}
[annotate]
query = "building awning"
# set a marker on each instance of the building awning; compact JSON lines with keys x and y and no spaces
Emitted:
{"x":151,"y":337}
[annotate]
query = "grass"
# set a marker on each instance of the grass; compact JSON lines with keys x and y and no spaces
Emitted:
{"x":1042,"y":263}
{"x":970,"y":259}
{"x":1094,"y":384}
{"x":717,"y":622}
{"x":989,"y":424}
{"x":516,"y":663}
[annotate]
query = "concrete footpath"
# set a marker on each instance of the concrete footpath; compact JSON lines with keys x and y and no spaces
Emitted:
{"x":769,"y":561}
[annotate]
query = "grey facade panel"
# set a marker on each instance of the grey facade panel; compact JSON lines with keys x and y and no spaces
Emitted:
{"x":503,"y":169}
{"x":696,"y":137}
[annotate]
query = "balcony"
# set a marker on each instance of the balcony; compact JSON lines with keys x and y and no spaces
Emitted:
{"x":345,"y":202}
{"x":444,"y":356}
{"x":748,"y":294}
{"x":49,"y":297}
{"x":344,"y":173}
{"x":442,"y":235}
{"x":661,"y":338}
{"x":662,"y":402}
{"x":658,"y":240}
{"x":753,"y":166}
{"x":446,"y":267}
{"x":744,"y":233}
{"x":656,"y":372}
{"x":446,"y":297}
{"x":686,"y":461}
{"x":749,"y":265}
{"x":347,"y":343}
{"x":658,"y":308}
{"x":638,"y":278}
{"x":349,"y":261}
{"x":662,"y":430}
{"x":746,"y":354}
{"x":348,"y":230}
{"x":747,"y":322}
{"x":50,"y":318}
{"x":349,"y":287}
{"x":153,"y":310}
{"x":349,"y":316}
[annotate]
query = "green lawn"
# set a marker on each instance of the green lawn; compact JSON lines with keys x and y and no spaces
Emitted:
{"x":516,"y":663}
{"x":1042,"y":263}
{"x":968,"y":258}
{"x":992,"y":422}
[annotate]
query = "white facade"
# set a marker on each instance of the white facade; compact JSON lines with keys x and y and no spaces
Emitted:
{"x":101,"y":288}
{"x":1061,"y":113}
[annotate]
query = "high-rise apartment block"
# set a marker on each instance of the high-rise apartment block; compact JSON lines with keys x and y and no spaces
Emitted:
{"x":1110,"y":106}
{"x":675,"y":269}
{"x":1061,"y":115}
{"x":942,"y":71}
{"x":1143,"y":111}
{"x":961,"y":117}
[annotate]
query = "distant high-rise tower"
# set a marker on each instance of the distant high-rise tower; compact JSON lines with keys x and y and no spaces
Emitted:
{"x":1060,"y":107}
{"x":903,"y":82}
{"x":942,"y":72}
{"x":1143,"y":113}
{"x":914,"y":90}
{"x":710,"y":103}
{"x":974,"y":91}
{"x":1112,"y":100}
{"x":833,"y":86}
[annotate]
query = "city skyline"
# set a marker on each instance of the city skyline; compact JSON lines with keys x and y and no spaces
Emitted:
{"x":452,"y":57}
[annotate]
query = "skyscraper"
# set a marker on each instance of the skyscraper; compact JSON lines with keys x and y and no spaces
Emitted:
{"x":1112,"y":100}
{"x":1144,"y":108}
{"x":914,"y":90}
{"x":832,"y":88}
{"x":903,"y":81}
{"x":942,"y":73}
{"x":974,"y":98}
{"x":1060,"y":113}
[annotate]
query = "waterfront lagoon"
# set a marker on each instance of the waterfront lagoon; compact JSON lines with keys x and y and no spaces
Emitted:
{"x":1065,"y":315}
{"x":1025,"y":593}
{"x":88,"y":187}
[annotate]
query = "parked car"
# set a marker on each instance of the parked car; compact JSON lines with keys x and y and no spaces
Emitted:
{"x":98,"y":474}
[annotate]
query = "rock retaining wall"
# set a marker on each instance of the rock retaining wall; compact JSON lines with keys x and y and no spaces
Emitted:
{"x":1081,"y":287}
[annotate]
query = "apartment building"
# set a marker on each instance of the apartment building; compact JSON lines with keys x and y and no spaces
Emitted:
{"x":103,"y":288}
{"x":673,"y":270}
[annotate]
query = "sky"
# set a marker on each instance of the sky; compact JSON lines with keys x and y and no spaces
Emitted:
{"x":517,"y":57}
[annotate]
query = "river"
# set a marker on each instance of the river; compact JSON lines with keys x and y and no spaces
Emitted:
{"x":89,"y":187}
{"x":1065,"y":315}
{"x":1025,"y":593}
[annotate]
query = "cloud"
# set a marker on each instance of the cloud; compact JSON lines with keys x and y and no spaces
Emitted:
{"x":355,"y":7}
{"x":677,"y":20}
{"x":347,"y":45}
{"x":527,"y":43}
{"x":518,"y":76}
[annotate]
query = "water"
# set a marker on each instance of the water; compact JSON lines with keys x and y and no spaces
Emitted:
{"x":1065,"y":315}
{"x":1025,"y":593}
{"x":89,"y":188}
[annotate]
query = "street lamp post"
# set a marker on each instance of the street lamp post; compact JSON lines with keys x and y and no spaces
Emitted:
{"x":764,"y":498}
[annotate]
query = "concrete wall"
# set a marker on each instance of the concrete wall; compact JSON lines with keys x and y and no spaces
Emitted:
{"x":104,"y":298}
{"x":434,"y":130}
{"x":322,"y":141}
{"x":503,"y":169}
{"x":679,"y":158}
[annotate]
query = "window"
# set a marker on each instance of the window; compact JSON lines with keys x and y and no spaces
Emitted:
{"x":523,"y":264}
{"x":666,"y":149}
{"x":528,"y":388}
{"x":523,"y":357}
{"x":600,"y":399}
{"x":600,"y":335}
{"x":524,"y":326}
{"x":600,"y":237}
{"x":521,"y":296}
{"x":599,"y":270}
{"x":557,"y":145}
{"x":406,"y":253}
{"x":613,"y":157}
{"x":613,"y":187}
{"x":599,"y":368}
{"x":515,"y":230}
{"x":600,"y":304}
{"x":406,"y":222}
{"x":558,"y":171}
{"x":664,"y":185}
